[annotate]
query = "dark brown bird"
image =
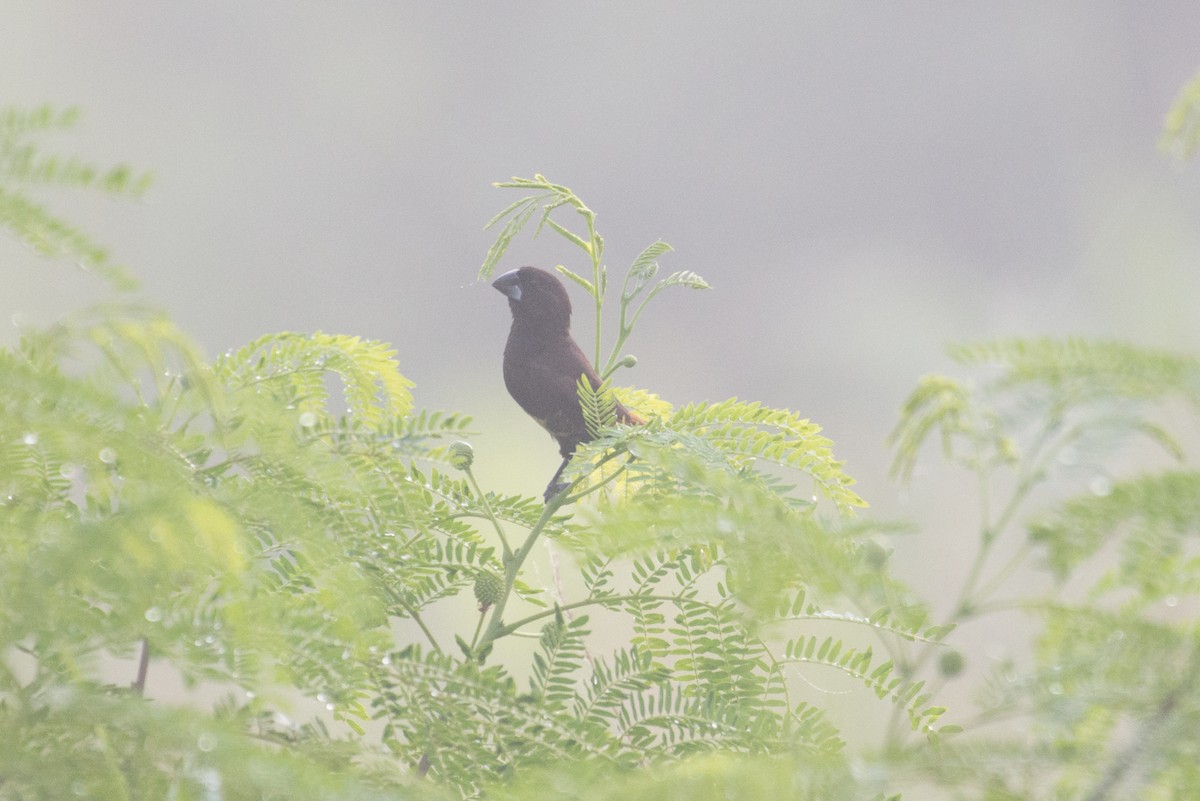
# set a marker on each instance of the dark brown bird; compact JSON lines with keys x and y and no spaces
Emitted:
{"x":542,"y":363}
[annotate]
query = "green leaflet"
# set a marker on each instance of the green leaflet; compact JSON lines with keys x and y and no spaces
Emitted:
{"x":293,"y":366}
{"x":25,"y":168}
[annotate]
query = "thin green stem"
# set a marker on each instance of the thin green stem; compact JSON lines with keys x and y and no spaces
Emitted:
{"x":987,"y":538}
{"x":1009,"y":605}
{"x":512,"y":568}
{"x":416,"y":616}
{"x":512,"y":565}
{"x":487,"y":509}
{"x":571,"y":498}
{"x":623,"y":331}
{"x":511,"y":628}
{"x":971,"y":593}
{"x":1002,"y":575}
{"x":598,"y":281}
{"x":1028,"y":479}
{"x":224,"y":465}
{"x":478,"y":629}
{"x":613,"y":362}
{"x":625,"y":328}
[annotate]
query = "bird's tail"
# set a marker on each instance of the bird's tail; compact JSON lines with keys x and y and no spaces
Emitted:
{"x":628,"y":418}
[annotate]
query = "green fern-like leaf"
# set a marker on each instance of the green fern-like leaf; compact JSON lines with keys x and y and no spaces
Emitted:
{"x":598,"y":405}
{"x":560,"y":656}
{"x":882,"y":678}
{"x":1081,"y":371}
{"x":750,"y":432}
{"x":645,"y":266}
{"x":547,"y":197}
{"x":938,"y":404}
{"x":24,"y":167}
{"x":1153,"y":517}
{"x":1181,"y":131}
{"x":1050,"y":395}
{"x":521,"y":212}
{"x":294,"y":366}
{"x":631,"y":671}
{"x":50,"y":235}
{"x":472,"y":728}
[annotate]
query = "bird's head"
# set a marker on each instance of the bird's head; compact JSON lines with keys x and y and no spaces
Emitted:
{"x":536,"y":296}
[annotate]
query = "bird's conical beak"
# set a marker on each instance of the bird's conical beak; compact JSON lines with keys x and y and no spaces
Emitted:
{"x":509,"y":284}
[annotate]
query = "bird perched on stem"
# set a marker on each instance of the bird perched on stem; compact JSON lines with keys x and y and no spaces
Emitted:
{"x":542,"y":363}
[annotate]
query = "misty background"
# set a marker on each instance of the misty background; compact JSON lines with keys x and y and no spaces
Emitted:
{"x":861,"y":184}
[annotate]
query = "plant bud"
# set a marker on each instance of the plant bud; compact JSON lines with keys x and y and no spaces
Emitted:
{"x":951,"y":664}
{"x":489,"y":588}
{"x":461,"y":455}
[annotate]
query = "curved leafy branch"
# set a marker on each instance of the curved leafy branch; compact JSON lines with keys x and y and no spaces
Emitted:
{"x":24,"y":165}
{"x":637,"y":289}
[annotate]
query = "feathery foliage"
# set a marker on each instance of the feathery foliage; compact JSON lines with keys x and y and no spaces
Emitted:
{"x":1109,"y":695}
{"x":1181,"y":132}
{"x":639,"y":286}
{"x":25,"y":165}
{"x":282,"y":527}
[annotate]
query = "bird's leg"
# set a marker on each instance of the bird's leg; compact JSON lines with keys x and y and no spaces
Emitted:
{"x":555,"y":486}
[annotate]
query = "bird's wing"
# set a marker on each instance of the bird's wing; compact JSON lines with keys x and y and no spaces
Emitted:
{"x":542,"y":378}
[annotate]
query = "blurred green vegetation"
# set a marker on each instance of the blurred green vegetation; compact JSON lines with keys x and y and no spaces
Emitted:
{"x":284,"y":522}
